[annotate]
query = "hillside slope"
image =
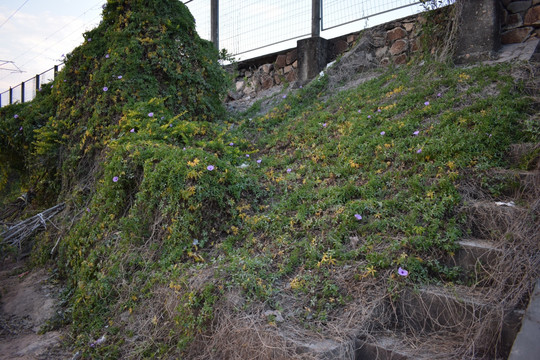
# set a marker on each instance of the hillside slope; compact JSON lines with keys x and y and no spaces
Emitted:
{"x":189,"y":233}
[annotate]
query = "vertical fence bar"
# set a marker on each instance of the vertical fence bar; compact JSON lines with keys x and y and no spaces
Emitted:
{"x":214,"y":14}
{"x":315,"y":18}
{"x":22,"y":92}
{"x":10,"y":96}
{"x":37,"y":83}
{"x":55,"y":71}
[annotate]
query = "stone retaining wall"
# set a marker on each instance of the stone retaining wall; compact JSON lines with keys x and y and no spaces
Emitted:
{"x":394,"y":42}
{"x":520,"y":20}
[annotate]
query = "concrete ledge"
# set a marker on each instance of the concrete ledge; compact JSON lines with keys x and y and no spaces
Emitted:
{"x":527,"y":344}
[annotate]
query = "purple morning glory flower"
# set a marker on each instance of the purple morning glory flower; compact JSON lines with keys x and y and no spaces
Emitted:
{"x":210,"y":167}
{"x":439,"y":95}
{"x":324,"y":125}
{"x":382,"y":132}
{"x":284,"y":96}
{"x":379,"y":110}
{"x":359,"y":111}
{"x":301,"y":87}
{"x":426,"y":103}
{"x":105,"y":88}
{"x":170,"y":125}
{"x":289,"y":170}
{"x":163,"y":118}
{"x":247,"y":155}
{"x":418,"y":151}
{"x":402,"y":272}
{"x":20,"y":129}
{"x":106,"y":56}
{"x":119,"y":76}
{"x":150,"y":114}
{"x":369,"y":116}
{"x":231,"y":144}
{"x":89,"y":39}
{"x":259,"y":161}
{"x":132,"y":130}
{"x":416,"y":132}
{"x":87,"y":209}
{"x":358,"y":216}
{"x":15,"y":116}
{"x":115,"y":179}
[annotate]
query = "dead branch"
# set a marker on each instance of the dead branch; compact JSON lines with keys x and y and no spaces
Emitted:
{"x":21,"y":231}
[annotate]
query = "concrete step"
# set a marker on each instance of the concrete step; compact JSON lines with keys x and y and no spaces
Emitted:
{"x":476,"y":258}
{"x":491,"y":220}
{"x":520,"y":184}
{"x":527,"y":344}
{"x":432,"y":309}
{"x":526,"y":154}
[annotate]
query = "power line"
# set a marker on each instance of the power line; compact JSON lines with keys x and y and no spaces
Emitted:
{"x":16,"y":11}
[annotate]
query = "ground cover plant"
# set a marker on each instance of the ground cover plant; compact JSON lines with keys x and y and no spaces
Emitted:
{"x":192,"y":233}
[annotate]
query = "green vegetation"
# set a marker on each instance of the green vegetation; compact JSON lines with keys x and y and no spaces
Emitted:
{"x":172,"y":204}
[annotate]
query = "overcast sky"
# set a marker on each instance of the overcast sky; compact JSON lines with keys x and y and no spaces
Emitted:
{"x":34,"y":34}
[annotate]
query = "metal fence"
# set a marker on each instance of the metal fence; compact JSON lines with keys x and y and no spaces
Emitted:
{"x":27,"y":90}
{"x":335,"y":13}
{"x":247,"y":26}
{"x":250,"y":28}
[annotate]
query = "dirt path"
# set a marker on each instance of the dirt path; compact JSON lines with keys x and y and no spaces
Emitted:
{"x":27,"y":301}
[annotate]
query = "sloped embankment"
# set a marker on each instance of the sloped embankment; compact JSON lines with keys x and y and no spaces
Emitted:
{"x":330,"y":227}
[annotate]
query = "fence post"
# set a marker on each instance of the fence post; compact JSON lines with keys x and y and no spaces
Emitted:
{"x":10,"y":96}
{"x":37,"y":83}
{"x":214,"y":14}
{"x":315,"y":18}
{"x":22,"y":92}
{"x":55,"y":71}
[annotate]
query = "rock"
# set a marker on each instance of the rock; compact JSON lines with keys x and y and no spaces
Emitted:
{"x":400,"y":59}
{"x":248,"y":74}
{"x":416,"y":45}
{"x":281,"y":61}
{"x":295,"y":64}
{"x":519,"y":6}
{"x":277,"y":79}
{"x":533,"y":16}
{"x":266,"y":68}
{"x":399,"y":47}
{"x":267,"y":81}
{"x":234,"y":95}
{"x":292,"y":56}
{"x":381,"y":52}
{"x":292,"y":76}
{"x":513,"y":21}
{"x":516,"y":35}
{"x":351,"y":38}
{"x":395,"y":34}
{"x":287,"y":69}
{"x":340,"y":46}
{"x":385,"y":61}
{"x":240,"y":85}
{"x":408,"y":26}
